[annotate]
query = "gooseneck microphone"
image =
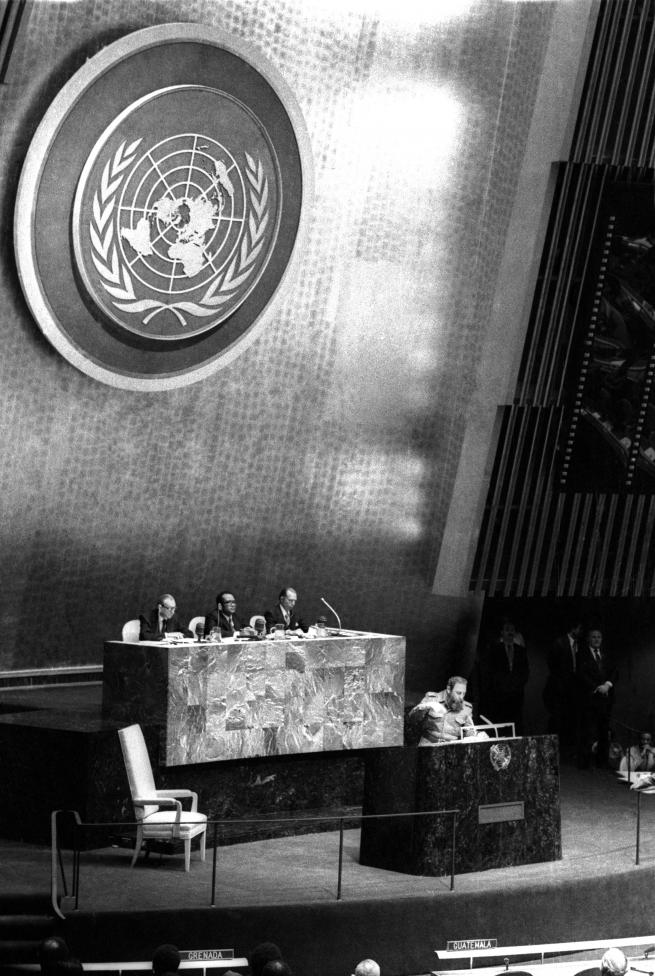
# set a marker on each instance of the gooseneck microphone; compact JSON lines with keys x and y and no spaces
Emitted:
{"x":323,"y":600}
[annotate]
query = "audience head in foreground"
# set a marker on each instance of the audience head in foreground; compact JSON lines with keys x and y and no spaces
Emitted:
{"x":276,"y":967}
{"x":52,"y":951}
{"x":261,"y":954}
{"x":67,"y":967}
{"x":367,"y":967}
{"x":165,"y":959}
{"x":614,"y":963}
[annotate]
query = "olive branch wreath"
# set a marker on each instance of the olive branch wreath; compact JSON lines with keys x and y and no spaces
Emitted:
{"x":116,"y":279}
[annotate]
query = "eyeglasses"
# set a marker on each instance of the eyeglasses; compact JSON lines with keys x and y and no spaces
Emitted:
{"x":166,"y":607}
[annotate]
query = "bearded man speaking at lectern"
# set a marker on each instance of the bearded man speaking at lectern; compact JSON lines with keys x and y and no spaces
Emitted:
{"x":444,"y":716}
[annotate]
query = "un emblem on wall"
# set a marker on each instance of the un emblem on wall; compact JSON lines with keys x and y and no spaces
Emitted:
{"x":172,"y":233}
{"x":183,"y":205}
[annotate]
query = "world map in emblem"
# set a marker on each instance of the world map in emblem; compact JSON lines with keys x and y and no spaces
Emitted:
{"x":172,"y":234}
{"x":182,"y":211}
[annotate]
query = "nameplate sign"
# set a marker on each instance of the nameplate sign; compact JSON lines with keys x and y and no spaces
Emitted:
{"x":471,"y":945}
{"x":489,"y":813}
{"x":206,"y":955}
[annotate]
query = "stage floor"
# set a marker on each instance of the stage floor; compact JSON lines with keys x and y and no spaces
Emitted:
{"x":284,"y":889}
{"x":598,"y":838}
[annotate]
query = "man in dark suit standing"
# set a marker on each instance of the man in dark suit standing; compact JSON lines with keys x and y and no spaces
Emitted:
{"x":284,"y":612}
{"x":596,"y":676}
{"x":503,"y":675}
{"x":560,"y":693}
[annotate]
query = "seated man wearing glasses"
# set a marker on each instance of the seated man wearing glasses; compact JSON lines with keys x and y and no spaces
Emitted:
{"x":162,"y":621}
{"x":224,"y":616}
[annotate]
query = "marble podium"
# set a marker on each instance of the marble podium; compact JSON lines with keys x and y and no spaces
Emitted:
{"x":506,"y":791}
{"x":259,"y":698}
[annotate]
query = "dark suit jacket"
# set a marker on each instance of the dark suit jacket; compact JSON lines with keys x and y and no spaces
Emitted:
{"x":498,"y":681}
{"x":561,"y":685}
{"x":591,"y":674}
{"x":275,"y":616}
{"x":149,"y":626}
{"x":216,"y":619}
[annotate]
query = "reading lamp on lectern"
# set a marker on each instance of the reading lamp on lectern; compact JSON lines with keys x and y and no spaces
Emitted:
{"x":323,"y":600}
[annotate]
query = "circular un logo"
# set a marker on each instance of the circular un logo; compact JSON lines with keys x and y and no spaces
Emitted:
{"x":500,"y":756}
{"x":183,"y":207}
{"x":172,"y":235}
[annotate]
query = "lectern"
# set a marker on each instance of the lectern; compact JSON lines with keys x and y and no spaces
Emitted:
{"x":506,"y":791}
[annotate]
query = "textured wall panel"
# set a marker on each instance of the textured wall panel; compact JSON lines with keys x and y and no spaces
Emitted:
{"x":325,"y":455}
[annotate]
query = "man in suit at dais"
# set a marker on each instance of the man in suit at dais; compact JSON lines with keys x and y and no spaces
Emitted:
{"x":284,"y":613}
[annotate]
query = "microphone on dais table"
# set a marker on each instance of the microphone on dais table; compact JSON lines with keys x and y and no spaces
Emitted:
{"x":323,"y":600}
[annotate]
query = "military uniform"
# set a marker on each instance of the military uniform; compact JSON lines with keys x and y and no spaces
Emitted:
{"x":438,"y":723}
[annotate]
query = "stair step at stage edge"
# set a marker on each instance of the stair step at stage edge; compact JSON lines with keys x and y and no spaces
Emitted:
{"x":25,"y":920}
{"x":26,"y":903}
{"x":26,"y":926}
{"x":19,"y":950}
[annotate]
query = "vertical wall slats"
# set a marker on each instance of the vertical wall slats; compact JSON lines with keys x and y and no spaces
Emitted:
{"x":9,"y":25}
{"x":541,"y":481}
{"x":604,"y":554}
{"x":645,"y":538}
{"x":589,"y":136}
{"x":635,"y":72}
{"x":620,"y":547}
{"x":556,"y":367}
{"x":612,"y":107}
{"x":629,"y":569}
{"x":568,"y":546}
{"x":539,"y":326}
{"x":631,"y":153}
{"x":524,"y":432}
{"x":569,"y":242}
{"x":593,"y":544}
{"x":552,"y":548}
{"x":591,"y":87}
{"x":509,"y":503}
{"x":581,"y":544}
{"x":495,"y":507}
{"x":538,"y":539}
